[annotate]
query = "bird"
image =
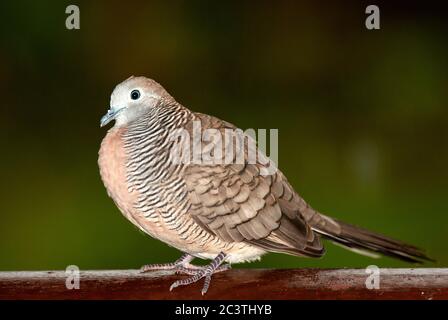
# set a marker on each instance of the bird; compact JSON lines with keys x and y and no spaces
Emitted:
{"x":227,"y":212}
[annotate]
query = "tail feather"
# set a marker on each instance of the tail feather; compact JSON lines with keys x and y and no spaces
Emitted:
{"x":359,"y":238}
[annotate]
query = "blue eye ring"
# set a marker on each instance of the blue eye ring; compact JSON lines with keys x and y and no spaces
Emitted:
{"x":135,"y":94}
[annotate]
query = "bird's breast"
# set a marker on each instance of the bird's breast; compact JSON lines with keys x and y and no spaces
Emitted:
{"x":149,"y":217}
{"x":112,"y":162}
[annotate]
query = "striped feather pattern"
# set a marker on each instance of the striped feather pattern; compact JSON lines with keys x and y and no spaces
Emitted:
{"x":209,"y":209}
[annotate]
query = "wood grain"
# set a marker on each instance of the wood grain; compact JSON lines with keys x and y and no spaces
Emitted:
{"x":249,"y":284}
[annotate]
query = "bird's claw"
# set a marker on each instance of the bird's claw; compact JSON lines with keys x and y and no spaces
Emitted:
{"x":197,"y":274}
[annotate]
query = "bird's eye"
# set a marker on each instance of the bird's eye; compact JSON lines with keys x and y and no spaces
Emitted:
{"x":135,"y":94}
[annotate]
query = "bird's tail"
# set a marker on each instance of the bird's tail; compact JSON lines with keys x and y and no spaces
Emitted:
{"x":360,"y":239}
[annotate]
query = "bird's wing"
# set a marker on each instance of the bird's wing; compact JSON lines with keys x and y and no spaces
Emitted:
{"x":238,"y":204}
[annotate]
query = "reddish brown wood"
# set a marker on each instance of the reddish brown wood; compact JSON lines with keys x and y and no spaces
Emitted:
{"x":234,"y":284}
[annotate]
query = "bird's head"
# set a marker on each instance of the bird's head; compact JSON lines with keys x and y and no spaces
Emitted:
{"x":133,"y":98}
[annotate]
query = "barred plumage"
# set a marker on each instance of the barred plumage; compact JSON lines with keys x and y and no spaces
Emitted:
{"x":223,"y":211}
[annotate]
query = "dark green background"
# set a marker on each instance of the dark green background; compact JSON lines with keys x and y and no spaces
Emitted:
{"x":362,"y":116}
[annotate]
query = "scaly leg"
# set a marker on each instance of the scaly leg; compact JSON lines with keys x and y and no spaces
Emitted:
{"x":203,"y":272}
{"x":182,"y":261}
{"x":181,"y":265}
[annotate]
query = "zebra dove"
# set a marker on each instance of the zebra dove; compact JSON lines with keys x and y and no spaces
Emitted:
{"x":223,"y":211}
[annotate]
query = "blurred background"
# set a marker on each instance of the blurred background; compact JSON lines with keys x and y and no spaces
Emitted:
{"x":362,"y":116}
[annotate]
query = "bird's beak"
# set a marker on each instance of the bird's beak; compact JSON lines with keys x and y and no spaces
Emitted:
{"x":109,"y":116}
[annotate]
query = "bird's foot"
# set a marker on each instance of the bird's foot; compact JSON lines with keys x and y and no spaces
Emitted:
{"x":179,"y":263}
{"x":197,"y":273}
{"x":181,"y":266}
{"x":192,"y":269}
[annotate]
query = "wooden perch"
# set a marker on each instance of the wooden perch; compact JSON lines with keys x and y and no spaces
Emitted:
{"x":234,"y":284}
